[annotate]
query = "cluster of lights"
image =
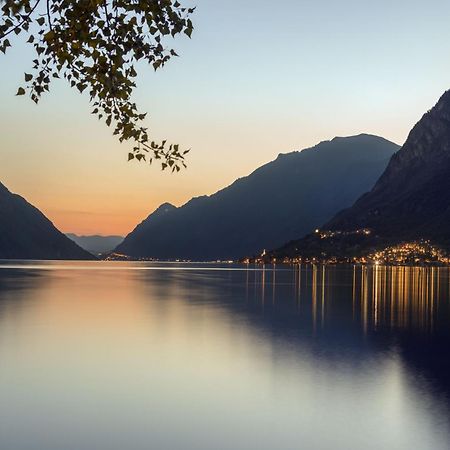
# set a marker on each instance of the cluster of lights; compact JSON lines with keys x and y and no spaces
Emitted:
{"x":296,"y":260}
{"x":263,"y":260}
{"x":314,"y":260}
{"x":121,"y":257}
{"x":327,"y":234}
{"x":418,"y":252}
{"x":117,"y":257}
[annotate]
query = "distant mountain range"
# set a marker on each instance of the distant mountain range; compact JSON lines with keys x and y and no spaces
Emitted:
{"x":410,"y":201}
{"x":25,"y":233}
{"x":280,"y":201}
{"x":96,"y":244}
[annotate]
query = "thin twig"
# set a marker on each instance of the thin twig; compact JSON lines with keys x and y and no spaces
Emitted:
{"x":48,"y":15}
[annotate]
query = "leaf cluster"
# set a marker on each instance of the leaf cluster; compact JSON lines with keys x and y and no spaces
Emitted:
{"x":95,"y":45}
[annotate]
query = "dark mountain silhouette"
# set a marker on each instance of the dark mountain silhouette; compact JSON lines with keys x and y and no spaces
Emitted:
{"x":25,"y":233}
{"x":96,"y":244}
{"x":410,"y":201}
{"x":281,"y":200}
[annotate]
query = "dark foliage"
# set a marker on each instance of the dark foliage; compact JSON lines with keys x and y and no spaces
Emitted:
{"x":95,"y":45}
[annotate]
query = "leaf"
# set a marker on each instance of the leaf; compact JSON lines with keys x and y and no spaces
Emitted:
{"x":28,"y":77}
{"x":20,"y":91}
{"x":49,"y":36}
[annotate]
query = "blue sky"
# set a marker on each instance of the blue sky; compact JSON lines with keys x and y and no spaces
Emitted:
{"x":256,"y":79}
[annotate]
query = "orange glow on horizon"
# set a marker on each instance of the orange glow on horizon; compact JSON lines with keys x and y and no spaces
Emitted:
{"x":93,"y":223}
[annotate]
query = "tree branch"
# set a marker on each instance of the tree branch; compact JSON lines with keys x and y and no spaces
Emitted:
{"x":23,"y":21}
{"x":48,"y":15}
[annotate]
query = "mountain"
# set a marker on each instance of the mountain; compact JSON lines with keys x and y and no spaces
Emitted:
{"x":96,"y":244}
{"x":410,"y":201}
{"x":281,"y":200}
{"x":25,"y":233}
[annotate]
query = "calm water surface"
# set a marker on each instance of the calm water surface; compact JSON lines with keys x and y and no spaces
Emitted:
{"x":134,"y":356}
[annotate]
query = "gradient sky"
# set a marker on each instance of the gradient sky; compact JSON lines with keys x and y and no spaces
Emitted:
{"x":258,"y":78}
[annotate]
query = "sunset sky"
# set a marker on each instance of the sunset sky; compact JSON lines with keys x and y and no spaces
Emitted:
{"x":257,"y":78}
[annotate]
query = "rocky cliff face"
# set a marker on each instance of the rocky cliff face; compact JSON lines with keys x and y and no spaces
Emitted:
{"x":412,"y":197}
{"x":410,"y":201}
{"x":425,"y":153}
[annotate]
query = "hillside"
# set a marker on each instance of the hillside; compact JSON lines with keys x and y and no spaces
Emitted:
{"x":410,"y":201}
{"x":25,"y":233}
{"x":96,"y":244}
{"x":281,"y":200}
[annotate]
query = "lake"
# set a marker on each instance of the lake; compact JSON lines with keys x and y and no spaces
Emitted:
{"x":134,"y":356}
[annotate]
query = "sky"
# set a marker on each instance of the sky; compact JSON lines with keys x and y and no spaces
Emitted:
{"x":258,"y":78}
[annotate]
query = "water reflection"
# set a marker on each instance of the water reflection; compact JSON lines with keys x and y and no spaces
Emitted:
{"x":16,"y":289}
{"x":401,"y":297}
{"x":166,"y":356}
{"x":410,"y":298}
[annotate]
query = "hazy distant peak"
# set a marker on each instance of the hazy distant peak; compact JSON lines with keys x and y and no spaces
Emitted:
{"x":93,"y":236}
{"x":96,"y":244}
